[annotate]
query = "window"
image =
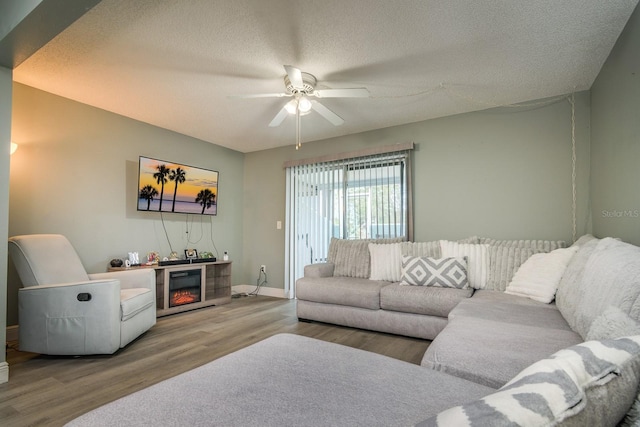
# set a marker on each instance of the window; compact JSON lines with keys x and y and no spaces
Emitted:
{"x":366,"y":196}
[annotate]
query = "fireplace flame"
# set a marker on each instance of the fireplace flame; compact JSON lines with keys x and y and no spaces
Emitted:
{"x":184,"y":297}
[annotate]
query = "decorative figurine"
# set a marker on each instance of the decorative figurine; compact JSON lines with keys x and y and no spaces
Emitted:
{"x":153,"y":257}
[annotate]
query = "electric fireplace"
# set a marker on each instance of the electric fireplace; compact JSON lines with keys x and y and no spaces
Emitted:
{"x":185,"y":286}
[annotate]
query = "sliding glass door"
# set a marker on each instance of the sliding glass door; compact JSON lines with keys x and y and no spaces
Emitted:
{"x":364,"y":197}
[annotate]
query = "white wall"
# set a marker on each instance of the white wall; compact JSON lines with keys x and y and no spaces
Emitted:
{"x":75,"y":173}
{"x":502,"y":173}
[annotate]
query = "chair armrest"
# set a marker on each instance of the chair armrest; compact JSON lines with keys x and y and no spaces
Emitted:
{"x":63,"y":319}
{"x":137,"y":278}
{"x":56,"y":297}
{"x":322,"y":269}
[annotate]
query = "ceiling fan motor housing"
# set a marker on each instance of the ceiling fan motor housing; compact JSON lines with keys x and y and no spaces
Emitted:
{"x":308,"y":84}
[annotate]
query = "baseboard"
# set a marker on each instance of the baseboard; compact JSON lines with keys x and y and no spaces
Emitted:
{"x":4,"y":372}
{"x":12,"y":333}
{"x":265,"y":290}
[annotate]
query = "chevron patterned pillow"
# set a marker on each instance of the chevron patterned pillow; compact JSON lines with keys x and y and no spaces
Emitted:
{"x":441,"y":272}
{"x":590,"y":384}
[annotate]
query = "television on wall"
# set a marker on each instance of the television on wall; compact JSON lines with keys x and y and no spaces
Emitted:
{"x":173,"y":187}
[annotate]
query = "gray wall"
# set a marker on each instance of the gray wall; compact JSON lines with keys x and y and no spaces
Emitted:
{"x":75,"y":173}
{"x":615,"y":161}
{"x":5,"y":138}
{"x":502,"y":173}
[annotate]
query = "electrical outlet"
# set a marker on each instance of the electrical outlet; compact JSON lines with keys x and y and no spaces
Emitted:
{"x":263,"y":268}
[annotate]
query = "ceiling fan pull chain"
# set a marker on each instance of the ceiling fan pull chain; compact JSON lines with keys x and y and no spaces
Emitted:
{"x":298,"y":143}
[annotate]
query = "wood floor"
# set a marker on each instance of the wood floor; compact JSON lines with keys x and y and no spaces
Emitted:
{"x":50,"y":391}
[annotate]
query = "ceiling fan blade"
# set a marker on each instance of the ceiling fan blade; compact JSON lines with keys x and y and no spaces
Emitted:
{"x":279,"y":118}
{"x":260,"y":95}
{"x":359,"y":92}
{"x":295,"y":76}
{"x":326,"y":113}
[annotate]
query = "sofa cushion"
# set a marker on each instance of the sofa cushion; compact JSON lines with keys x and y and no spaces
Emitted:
{"x":569,"y":288}
{"x":536,"y":245}
{"x":432,"y":301}
{"x":387,"y":321}
{"x":495,"y":296}
{"x":386,"y":261}
{"x":504,"y":261}
{"x":593,"y":383}
{"x":477,"y":260}
{"x":539,"y":276}
{"x":351,"y":257}
{"x":633,"y":416}
{"x":613,"y":323}
{"x":492,"y":352}
{"x":440,"y":272}
{"x":431,"y":249}
{"x":611,"y":277}
{"x":539,"y":314}
{"x":363,"y":293}
{"x":583,"y":240}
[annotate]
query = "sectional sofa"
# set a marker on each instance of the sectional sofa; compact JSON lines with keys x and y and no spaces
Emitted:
{"x":360,"y":284}
{"x":501,"y":358}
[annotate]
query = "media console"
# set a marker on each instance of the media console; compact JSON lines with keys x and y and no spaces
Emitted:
{"x":188,"y":286}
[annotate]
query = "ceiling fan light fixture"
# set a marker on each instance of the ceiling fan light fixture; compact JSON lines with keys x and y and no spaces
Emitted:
{"x":291,"y":106}
{"x":304,"y":105}
{"x":300,"y":87}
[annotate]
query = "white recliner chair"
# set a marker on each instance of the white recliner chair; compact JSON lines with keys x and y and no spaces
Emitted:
{"x":62,"y":310}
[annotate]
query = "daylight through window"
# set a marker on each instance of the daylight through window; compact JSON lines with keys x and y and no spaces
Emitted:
{"x":363,"y":197}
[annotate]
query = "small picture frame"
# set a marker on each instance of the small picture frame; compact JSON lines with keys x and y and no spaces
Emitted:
{"x":190,"y":253}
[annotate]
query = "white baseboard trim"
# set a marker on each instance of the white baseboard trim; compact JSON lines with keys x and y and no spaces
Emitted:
{"x":12,"y":333}
{"x":4,"y":372}
{"x":265,"y":290}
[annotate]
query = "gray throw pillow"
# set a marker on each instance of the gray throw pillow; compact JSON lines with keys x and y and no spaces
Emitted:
{"x":351,"y":257}
{"x":440,"y":272}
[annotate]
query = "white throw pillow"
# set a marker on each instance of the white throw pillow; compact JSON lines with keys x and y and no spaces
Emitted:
{"x":477,"y":260}
{"x":386,"y":261}
{"x":539,"y":276}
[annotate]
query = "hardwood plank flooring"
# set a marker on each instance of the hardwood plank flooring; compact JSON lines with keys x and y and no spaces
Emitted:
{"x":50,"y":390}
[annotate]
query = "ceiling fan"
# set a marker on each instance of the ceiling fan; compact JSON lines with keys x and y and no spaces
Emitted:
{"x":301,"y":87}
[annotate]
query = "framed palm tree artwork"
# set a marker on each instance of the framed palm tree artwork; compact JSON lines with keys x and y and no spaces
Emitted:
{"x":174,"y":187}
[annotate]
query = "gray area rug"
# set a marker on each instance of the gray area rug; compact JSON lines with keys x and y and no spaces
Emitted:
{"x":290,"y":380}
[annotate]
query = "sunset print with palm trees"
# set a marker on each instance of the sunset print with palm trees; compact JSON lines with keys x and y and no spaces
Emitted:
{"x":172,"y":187}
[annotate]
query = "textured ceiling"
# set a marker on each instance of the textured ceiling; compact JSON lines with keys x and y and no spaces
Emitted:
{"x":174,"y":64}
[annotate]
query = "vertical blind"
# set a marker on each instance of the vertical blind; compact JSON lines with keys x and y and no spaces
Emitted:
{"x":363,"y":197}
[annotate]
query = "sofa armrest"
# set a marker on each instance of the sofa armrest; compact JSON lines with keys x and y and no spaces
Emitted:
{"x":323,"y":269}
{"x":136,"y":278}
{"x":70,"y":318}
